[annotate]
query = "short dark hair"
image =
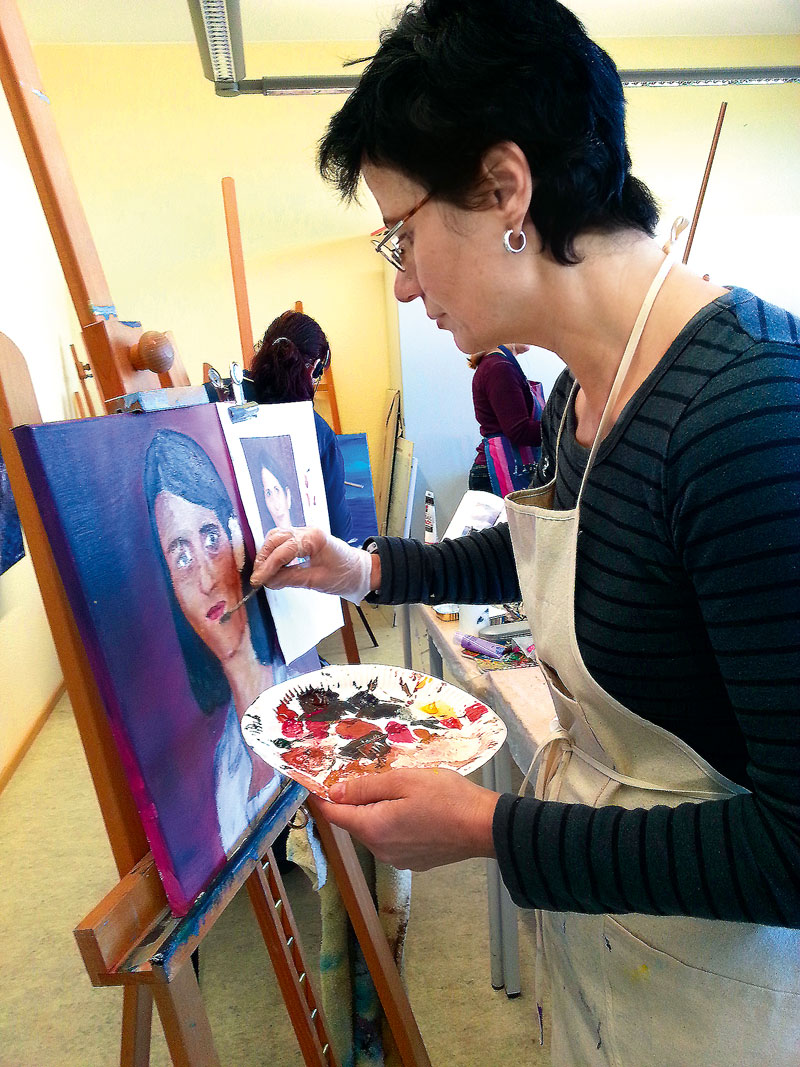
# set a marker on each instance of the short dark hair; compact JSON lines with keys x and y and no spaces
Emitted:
{"x":175,"y":463}
{"x":287,"y":354}
{"x":453,"y":78}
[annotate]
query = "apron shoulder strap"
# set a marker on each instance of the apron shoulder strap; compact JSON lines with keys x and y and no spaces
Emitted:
{"x":624,"y":365}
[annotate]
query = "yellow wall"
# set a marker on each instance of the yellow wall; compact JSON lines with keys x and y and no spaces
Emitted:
{"x":149,"y":143}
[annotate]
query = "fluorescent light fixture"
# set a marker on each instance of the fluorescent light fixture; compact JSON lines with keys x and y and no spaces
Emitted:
{"x":218,"y":29}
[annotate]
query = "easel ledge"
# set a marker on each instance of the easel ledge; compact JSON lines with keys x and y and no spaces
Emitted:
{"x":132,"y":935}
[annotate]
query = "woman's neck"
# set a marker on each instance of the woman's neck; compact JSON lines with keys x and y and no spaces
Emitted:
{"x":246,"y":675}
{"x":598,"y":301}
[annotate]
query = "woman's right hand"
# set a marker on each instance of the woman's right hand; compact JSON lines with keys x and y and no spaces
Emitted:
{"x":328,"y":564}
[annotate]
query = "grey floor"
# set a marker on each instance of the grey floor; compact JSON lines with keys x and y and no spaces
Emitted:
{"x":56,"y":865}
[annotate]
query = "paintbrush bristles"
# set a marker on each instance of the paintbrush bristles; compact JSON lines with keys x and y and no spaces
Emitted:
{"x":224,"y":617}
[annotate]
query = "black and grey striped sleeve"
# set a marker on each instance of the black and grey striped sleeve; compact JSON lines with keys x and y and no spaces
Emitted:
{"x":731,"y":490}
{"x":476,"y":569}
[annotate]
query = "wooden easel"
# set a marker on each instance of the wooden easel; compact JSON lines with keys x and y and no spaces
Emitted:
{"x":131,"y":938}
{"x":325,"y":386}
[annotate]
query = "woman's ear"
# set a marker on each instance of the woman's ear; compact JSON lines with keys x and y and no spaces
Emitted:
{"x":508,"y":177}
{"x":237,"y":542}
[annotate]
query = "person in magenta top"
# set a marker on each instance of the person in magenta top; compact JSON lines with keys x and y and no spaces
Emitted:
{"x":505,"y":407}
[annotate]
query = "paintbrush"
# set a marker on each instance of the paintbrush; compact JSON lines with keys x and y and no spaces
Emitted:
{"x":226,"y":615}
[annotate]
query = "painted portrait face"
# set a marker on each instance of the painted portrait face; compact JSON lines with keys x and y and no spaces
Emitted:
{"x":278,"y":499}
{"x":203,"y":571}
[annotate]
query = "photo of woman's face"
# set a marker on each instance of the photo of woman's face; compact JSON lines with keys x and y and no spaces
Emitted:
{"x":203,"y":571}
{"x":278,"y":499}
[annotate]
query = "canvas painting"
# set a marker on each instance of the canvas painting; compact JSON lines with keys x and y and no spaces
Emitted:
{"x":275,"y":456}
{"x":358,"y":487}
{"x":11,"y":547}
{"x":154,"y":549}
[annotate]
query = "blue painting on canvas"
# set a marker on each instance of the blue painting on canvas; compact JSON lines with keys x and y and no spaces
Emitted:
{"x":358,"y":488}
{"x":11,"y":547}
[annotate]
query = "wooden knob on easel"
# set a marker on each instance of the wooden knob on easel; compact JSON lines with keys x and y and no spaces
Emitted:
{"x":153,"y":352}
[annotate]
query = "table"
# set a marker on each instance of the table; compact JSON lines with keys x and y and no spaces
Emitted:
{"x":521,"y":699}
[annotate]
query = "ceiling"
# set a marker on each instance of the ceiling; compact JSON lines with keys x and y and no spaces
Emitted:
{"x":120,"y":21}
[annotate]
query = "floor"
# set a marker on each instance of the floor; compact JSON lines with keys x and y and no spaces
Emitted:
{"x":56,"y":865}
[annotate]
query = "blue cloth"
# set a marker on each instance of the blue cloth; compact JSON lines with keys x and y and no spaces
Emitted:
{"x":333,"y":476}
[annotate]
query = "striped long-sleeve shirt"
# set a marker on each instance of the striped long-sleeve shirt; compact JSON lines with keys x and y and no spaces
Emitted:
{"x":687,"y":610}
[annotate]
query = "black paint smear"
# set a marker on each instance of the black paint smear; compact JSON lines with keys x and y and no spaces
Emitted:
{"x":281,"y":742}
{"x":372,"y":746}
{"x":321,"y":705}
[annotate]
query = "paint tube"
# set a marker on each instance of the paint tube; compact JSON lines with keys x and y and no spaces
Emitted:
{"x":431,"y":533}
{"x":481,"y":646}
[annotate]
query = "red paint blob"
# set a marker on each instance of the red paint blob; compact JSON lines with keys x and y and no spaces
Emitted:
{"x":474,"y":711}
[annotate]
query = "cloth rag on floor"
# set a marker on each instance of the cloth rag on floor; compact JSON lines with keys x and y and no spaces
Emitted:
{"x":356,"y":1027}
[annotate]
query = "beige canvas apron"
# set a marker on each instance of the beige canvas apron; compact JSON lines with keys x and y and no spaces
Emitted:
{"x":632,"y":989}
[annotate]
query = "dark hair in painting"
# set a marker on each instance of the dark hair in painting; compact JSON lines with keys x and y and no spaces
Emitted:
{"x":453,"y":78}
{"x":293,"y":349}
{"x":177,"y":464}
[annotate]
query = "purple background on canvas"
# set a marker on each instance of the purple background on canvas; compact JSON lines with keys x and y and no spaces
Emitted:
{"x":94,"y":473}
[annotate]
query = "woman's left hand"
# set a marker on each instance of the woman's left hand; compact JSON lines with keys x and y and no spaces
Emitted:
{"x":414,"y":819}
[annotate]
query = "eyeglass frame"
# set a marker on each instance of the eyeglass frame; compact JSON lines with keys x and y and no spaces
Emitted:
{"x":389,"y":233}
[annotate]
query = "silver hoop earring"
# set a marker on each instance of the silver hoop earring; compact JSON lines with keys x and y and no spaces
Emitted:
{"x":507,"y":242}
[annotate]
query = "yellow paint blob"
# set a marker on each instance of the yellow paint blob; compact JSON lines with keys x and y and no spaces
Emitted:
{"x":438,"y":708}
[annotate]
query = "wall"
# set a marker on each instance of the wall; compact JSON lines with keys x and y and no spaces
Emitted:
{"x":148,"y":142}
{"x":748,"y":235}
{"x":33,"y":314}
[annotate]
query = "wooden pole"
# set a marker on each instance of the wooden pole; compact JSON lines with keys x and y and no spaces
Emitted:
{"x":704,"y":183}
{"x":237,"y":270}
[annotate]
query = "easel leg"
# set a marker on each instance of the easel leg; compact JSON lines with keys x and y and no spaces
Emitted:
{"x":268,"y":897}
{"x":348,"y":636}
{"x":183,"y":1017}
{"x":137,"y":1018}
{"x":367,"y":626}
{"x":357,"y":899}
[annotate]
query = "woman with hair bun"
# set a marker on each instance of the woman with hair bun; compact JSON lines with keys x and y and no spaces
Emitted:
{"x":658,"y":551}
{"x":287,"y":367}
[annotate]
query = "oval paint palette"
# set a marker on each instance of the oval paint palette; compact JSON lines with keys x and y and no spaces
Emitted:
{"x":345,"y":721}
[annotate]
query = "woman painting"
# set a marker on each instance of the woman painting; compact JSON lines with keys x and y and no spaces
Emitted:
{"x":231,"y":662}
{"x":658,"y":553}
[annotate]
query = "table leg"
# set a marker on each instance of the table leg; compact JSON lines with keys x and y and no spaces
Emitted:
{"x":435,"y":665}
{"x":493,"y":887}
{"x":508,"y":911}
{"x":405,"y":631}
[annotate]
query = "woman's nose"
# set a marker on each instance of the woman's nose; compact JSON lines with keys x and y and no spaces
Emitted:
{"x":406,"y":287}
{"x":206,"y":574}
